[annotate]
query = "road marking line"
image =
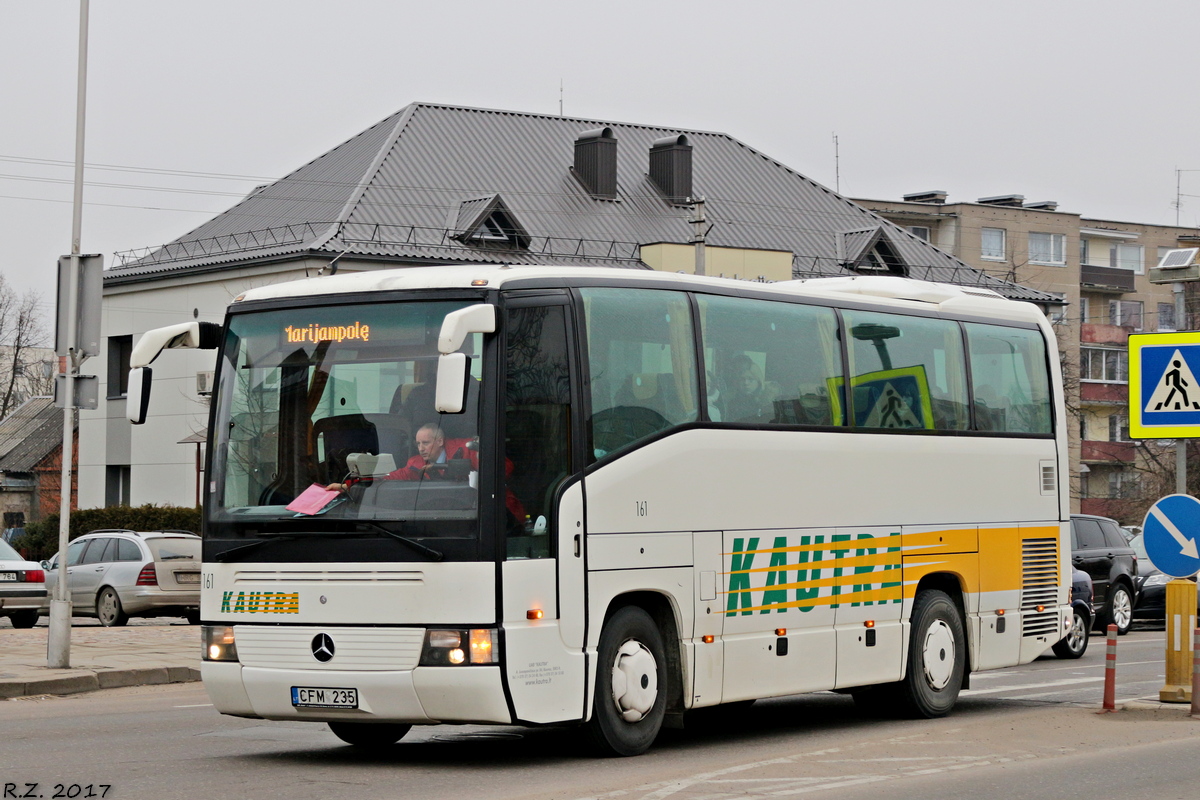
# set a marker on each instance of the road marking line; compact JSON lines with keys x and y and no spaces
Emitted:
{"x":996,"y":689}
{"x":196,"y":705}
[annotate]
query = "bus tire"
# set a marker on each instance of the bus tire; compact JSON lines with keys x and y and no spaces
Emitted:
{"x":369,"y":735}
{"x":631,"y":697}
{"x":937,"y":657}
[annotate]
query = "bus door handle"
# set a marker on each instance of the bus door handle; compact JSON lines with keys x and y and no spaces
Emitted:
{"x":577,"y":545}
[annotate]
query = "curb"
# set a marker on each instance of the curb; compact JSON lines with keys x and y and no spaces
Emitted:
{"x":100,"y":679}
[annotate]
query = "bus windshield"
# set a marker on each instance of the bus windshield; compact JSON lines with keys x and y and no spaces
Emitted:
{"x":336,"y":399}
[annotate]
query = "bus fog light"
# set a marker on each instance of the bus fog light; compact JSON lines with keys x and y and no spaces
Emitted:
{"x":457,"y":656}
{"x":219,"y":643}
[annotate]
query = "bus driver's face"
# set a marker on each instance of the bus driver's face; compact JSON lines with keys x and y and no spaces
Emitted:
{"x":429,"y":445}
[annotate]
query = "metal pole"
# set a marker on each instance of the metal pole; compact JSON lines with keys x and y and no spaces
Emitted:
{"x":1180,"y":444}
{"x":58,"y":642}
{"x":698,"y":233}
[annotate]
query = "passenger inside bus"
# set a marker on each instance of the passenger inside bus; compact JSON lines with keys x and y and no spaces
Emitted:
{"x":749,"y":398}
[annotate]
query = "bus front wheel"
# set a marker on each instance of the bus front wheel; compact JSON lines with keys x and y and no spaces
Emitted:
{"x":631,"y":699}
{"x":937,"y":657}
{"x":369,"y":735}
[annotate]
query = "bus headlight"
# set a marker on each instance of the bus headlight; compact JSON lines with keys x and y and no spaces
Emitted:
{"x":219,"y":644}
{"x":445,"y":648}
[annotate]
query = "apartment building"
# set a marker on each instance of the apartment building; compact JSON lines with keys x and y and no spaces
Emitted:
{"x":1100,"y":268}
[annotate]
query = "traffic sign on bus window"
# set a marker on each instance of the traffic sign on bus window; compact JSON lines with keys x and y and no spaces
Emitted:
{"x":1164,"y":392}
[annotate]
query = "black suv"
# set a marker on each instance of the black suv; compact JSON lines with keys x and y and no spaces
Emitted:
{"x":1099,"y":548}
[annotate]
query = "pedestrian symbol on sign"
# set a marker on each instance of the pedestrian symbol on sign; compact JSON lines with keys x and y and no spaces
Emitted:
{"x":1176,"y":390}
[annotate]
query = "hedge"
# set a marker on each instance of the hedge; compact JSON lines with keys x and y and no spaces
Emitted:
{"x":41,"y":538}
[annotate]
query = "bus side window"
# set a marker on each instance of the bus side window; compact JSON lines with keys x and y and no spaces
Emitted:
{"x":537,"y":421}
{"x":642,"y":365}
{"x":769,"y":362}
{"x":1009,"y":379}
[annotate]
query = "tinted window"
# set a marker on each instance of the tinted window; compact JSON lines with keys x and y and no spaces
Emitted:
{"x":128,"y":551}
{"x":1009,"y":379}
{"x":1112,"y":535}
{"x":907,"y":372}
{"x":641,"y":359}
{"x":95,"y":552}
{"x":1088,"y":533}
{"x":537,"y":418}
{"x":769,"y":362}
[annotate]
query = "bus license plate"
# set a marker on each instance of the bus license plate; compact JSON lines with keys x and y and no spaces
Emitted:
{"x":324,"y":697}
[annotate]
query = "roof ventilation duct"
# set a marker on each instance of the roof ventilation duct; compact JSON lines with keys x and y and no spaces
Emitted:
{"x":596,"y":162}
{"x":1008,"y":200}
{"x":671,"y":167}
{"x":1043,"y":205}
{"x":936,"y":196}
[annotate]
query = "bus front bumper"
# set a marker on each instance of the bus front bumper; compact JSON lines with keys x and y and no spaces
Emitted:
{"x":421,"y":696}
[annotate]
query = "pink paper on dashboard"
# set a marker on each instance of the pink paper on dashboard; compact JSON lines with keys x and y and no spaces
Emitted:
{"x":312,"y":499}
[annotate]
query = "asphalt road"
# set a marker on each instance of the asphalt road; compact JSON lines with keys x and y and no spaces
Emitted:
{"x":1030,"y":732}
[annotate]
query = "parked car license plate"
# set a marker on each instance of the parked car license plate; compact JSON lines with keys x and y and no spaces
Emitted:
{"x":8,"y":576}
{"x":324,"y":697}
{"x":187,"y":577}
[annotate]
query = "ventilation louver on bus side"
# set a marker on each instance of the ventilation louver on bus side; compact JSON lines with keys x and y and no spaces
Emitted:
{"x":1049,"y":478}
{"x":1039,"y":587}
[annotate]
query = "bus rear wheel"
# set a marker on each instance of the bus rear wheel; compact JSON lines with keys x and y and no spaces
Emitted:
{"x":631,"y":698}
{"x":369,"y":735}
{"x":937,"y":657}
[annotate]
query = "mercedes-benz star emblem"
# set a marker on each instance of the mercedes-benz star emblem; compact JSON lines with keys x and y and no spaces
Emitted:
{"x":322,"y":647}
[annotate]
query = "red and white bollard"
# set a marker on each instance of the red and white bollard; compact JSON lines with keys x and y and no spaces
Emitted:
{"x":1110,"y":672}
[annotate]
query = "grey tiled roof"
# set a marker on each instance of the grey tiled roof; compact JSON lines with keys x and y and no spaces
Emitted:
{"x":398,"y":190}
{"x":29,"y":434}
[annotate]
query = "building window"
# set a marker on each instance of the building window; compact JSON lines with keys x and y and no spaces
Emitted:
{"x":1166,"y":317}
{"x":1126,"y":313}
{"x":1122,"y":484}
{"x":1102,"y":364}
{"x":1047,"y":248}
{"x":992,"y":247}
{"x":116,"y":485}
{"x":1083,"y":310}
{"x":919,"y":231}
{"x":1127,"y":256}
{"x":1118,"y":428}
{"x":119,"y":350}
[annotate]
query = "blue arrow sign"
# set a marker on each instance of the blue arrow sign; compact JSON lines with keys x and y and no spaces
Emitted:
{"x":1170,"y":531}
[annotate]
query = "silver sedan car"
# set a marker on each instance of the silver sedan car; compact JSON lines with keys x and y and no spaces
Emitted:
{"x":117,"y":574}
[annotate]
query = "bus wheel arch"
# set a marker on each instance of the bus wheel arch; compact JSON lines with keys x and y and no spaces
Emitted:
{"x":638,"y":675}
{"x":937,"y":655}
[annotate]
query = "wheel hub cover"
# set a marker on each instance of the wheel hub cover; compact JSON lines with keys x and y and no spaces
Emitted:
{"x":938,"y":654}
{"x":634,"y":681}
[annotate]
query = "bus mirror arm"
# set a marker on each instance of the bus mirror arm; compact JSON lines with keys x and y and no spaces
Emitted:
{"x":194,"y":335}
{"x":450,"y":395}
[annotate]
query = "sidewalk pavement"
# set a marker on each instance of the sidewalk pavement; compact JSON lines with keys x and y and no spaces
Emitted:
{"x":101,"y":658}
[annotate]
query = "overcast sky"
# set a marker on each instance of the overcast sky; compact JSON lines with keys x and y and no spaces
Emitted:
{"x":190,"y":105}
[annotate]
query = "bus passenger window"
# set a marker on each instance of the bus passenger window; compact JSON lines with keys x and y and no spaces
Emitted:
{"x":769,"y":362}
{"x":642,"y":365}
{"x":1009,"y":379}
{"x":907,"y":372}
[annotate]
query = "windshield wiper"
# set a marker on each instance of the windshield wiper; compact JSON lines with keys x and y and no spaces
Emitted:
{"x":436,"y":555}
{"x":225,"y":556}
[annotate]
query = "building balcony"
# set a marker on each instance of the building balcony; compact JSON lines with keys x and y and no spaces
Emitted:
{"x":1095,"y":333}
{"x":1105,"y":279}
{"x":1094,"y":452}
{"x":1103,"y":393}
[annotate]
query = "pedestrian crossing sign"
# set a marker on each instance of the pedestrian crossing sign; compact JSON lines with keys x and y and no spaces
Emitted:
{"x":1164,"y":393}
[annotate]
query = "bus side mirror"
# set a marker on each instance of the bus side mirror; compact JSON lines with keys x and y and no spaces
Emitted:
{"x":137,"y":398}
{"x":450,"y":395}
{"x":454,"y":368}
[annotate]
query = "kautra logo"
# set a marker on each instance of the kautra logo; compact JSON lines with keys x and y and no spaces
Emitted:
{"x":260,"y":603}
{"x":805,"y":572}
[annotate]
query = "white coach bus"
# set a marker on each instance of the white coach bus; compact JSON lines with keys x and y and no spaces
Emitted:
{"x":541,"y":495}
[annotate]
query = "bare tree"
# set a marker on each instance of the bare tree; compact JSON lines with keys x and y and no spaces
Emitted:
{"x":26,"y":364}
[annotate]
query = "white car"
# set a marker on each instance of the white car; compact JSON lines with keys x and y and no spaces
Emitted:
{"x":117,"y":574}
{"x":22,"y":588}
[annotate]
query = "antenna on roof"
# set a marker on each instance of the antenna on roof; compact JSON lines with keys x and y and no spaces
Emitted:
{"x":332,"y":266}
{"x":837,"y":173}
{"x":560,"y":96}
